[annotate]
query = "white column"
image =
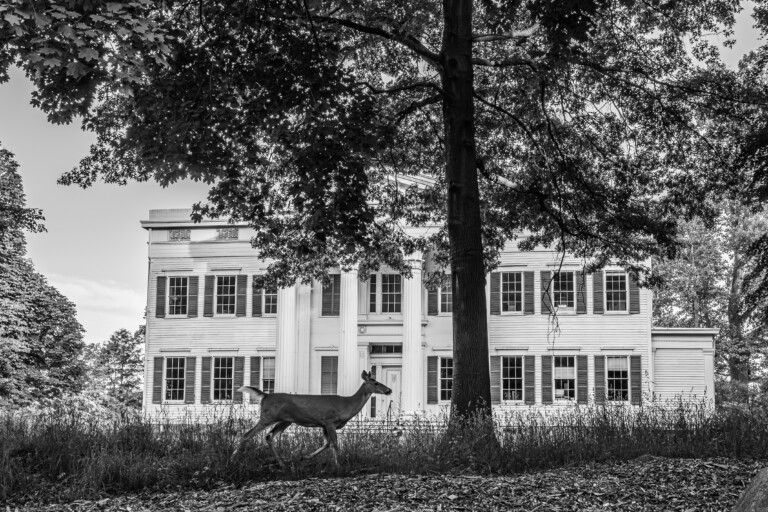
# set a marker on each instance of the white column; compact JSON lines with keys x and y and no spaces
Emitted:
{"x":413,"y":397}
{"x":285,"y":354}
{"x":304,"y":316}
{"x":349,"y":373}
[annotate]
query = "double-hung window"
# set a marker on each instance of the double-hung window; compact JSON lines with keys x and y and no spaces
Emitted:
{"x":268,"y":374}
{"x":270,"y":302}
{"x":385,"y":293}
{"x":565,"y":378}
{"x":617,"y":376}
{"x":226,"y":295}
{"x":446,"y":378}
{"x":563,"y":291}
{"x":223,"y":378}
{"x":512,"y":378}
{"x":511,"y":292}
{"x":174,"y":379}
{"x":446,"y":298}
{"x":615,"y":291}
{"x":178,"y":295}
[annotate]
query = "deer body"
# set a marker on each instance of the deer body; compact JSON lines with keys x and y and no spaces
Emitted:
{"x":328,"y":412}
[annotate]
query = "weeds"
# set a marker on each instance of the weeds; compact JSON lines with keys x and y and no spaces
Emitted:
{"x":85,"y":454}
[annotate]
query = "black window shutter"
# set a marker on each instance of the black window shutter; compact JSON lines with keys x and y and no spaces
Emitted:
{"x":581,"y":293}
{"x":582,"y":395}
{"x":546,"y":379}
{"x":194,"y":289}
{"x":336,"y":303}
{"x":329,"y":371}
{"x":242,"y":281}
{"x":634,"y":296}
{"x":597,"y":294}
{"x":432,"y":302}
{"x":635,"y":379}
{"x":600,"y":379}
{"x":160,"y":298}
{"x":546,"y":293}
{"x":157,"y":381}
{"x":205,"y":384}
{"x":255,"y":372}
{"x":189,"y":381}
{"x":495,"y":293}
{"x":256,"y":304}
{"x":495,"y":379}
{"x":238,"y":380}
{"x":432,"y":379}
{"x":529,"y":364}
{"x":331,"y":296}
{"x":208,"y":296}
{"x":528,"y":300}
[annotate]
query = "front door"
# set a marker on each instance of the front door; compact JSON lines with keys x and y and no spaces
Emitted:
{"x":391,"y":377}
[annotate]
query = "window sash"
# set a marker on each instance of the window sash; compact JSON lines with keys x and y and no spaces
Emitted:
{"x":226,"y":295}
{"x":446,"y":298}
{"x":175,"y":368}
{"x":223,"y":378}
{"x":268,"y":374}
{"x":511,"y":292}
{"x":512,"y":378}
{"x":617,"y":378}
{"x":564,"y":375}
{"x":563,"y":290}
{"x":178,"y":290}
{"x":616,"y":291}
{"x":446,"y":378}
{"x":270,"y":302}
{"x":391,"y":293}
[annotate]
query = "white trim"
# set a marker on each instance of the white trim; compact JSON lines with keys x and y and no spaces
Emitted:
{"x":510,"y":348}
{"x":224,"y":349}
{"x":165,"y":378}
{"x":522,"y":293}
{"x":175,"y":349}
{"x":606,"y":311}
{"x":564,"y":349}
{"x":332,"y":348}
{"x":216,"y":296}
{"x":620,"y":348}
{"x":442,"y":349}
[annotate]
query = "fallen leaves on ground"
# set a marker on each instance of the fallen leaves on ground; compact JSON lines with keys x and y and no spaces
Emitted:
{"x":648,"y":483}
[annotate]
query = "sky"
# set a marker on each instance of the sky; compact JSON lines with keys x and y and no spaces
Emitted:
{"x":94,"y":250}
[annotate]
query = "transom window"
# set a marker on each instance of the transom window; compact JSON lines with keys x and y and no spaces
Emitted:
{"x":446,"y":298}
{"x":226,"y":295}
{"x":446,"y":378}
{"x":512,"y":378}
{"x":270,"y":302}
{"x":385,"y":293}
{"x":615,"y":291}
{"x":268,"y":374}
{"x":565,"y":378}
{"x":511,"y":291}
{"x":177,"y":295}
{"x":386,"y":349}
{"x":563,"y":290}
{"x":223,"y":378}
{"x":617,"y":372}
{"x":174,"y":378}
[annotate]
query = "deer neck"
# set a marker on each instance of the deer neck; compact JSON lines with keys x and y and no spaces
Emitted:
{"x":357,"y":401}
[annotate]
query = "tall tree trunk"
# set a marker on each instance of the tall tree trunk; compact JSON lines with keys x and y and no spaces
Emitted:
{"x":738,"y":360}
{"x":471,"y":379}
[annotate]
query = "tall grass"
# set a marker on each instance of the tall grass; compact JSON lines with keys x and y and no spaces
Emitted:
{"x":79,"y":454}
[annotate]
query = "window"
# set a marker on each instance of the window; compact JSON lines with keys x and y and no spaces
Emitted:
{"x":386,"y":349}
{"x":226,"y":234}
{"x":174,"y":378}
{"x":329,"y":375}
{"x":563,"y":290}
{"x":511,"y":291}
{"x":565,"y":378}
{"x":446,"y":378}
{"x":270,"y":302}
{"x":331,"y":296}
{"x":512,"y":378}
{"x":226,"y":295}
{"x":446,"y":298}
{"x":223,"y":381}
{"x":178,"y":235}
{"x":617,"y":369}
{"x":385,"y":293}
{"x":177,"y":296}
{"x":615,"y":291}
{"x":268,"y":374}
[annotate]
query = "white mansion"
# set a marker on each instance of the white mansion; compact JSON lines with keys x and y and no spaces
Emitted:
{"x":210,"y":330}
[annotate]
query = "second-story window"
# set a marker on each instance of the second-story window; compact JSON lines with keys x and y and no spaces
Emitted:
{"x":615,"y":291}
{"x":511,"y":291}
{"x":563,"y":290}
{"x":223,"y":381}
{"x":177,"y":296}
{"x":446,"y":298}
{"x":270,"y":302}
{"x":226,"y":295}
{"x":385,"y":293}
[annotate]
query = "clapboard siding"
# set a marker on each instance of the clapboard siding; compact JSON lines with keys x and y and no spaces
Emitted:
{"x":679,"y":372}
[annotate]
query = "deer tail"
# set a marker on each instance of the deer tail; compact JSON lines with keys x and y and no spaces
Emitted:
{"x":256,"y":394}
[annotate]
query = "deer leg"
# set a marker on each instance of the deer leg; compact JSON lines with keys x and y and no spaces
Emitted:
{"x":326,"y":444}
{"x":247,"y":436}
{"x":275,"y":432}
{"x":331,"y":433}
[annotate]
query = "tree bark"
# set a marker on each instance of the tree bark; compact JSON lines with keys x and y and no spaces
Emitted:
{"x":738,"y":361}
{"x":471,"y":379}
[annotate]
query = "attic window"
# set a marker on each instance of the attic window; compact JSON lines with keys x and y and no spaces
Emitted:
{"x":178,"y":235}
{"x":227,"y":234}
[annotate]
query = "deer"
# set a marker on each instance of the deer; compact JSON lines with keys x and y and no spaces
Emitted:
{"x":328,"y":412}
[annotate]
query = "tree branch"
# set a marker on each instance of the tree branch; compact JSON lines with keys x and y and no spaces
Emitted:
{"x":504,"y":36}
{"x":416,"y":105}
{"x":506,"y":63}
{"x":406,"y":87}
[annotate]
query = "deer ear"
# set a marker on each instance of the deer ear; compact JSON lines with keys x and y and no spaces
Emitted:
{"x":365,"y":375}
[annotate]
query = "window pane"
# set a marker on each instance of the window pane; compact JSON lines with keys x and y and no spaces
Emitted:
{"x":270,"y":302}
{"x":446,"y":298}
{"x":446,"y":378}
{"x":174,"y":378}
{"x":391,"y":293}
{"x":615,"y":291}
{"x":226,"y":294}
{"x":617,"y":378}
{"x":511,"y":291}
{"x":563,"y":290}
{"x":512,"y":378}
{"x":177,"y":296}
{"x":223,"y":382}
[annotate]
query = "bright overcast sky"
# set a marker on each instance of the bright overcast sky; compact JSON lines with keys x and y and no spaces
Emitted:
{"x":95,"y":252}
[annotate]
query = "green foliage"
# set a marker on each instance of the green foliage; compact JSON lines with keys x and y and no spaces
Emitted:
{"x":116,"y":367}
{"x":40,"y":338}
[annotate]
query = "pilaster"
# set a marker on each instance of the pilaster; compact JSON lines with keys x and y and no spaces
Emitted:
{"x":413,"y":397}
{"x":285,"y":354}
{"x":349,"y":371}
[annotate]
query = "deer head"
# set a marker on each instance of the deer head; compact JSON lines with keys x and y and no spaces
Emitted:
{"x":373,"y":386}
